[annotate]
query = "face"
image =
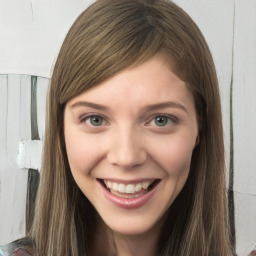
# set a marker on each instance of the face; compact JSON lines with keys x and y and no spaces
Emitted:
{"x":129,"y":142}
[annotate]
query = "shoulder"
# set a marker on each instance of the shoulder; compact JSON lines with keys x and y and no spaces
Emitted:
{"x":21,"y":247}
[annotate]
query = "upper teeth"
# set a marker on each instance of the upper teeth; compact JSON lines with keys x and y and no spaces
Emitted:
{"x":127,"y":188}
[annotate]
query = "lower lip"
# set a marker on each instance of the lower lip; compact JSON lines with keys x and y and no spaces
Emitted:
{"x":128,"y":203}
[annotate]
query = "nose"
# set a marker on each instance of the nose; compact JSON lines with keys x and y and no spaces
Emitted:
{"x":126,"y":149}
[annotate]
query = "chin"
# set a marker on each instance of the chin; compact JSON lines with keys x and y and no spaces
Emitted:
{"x":134,"y":225}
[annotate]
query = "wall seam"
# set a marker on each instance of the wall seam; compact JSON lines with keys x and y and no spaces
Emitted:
{"x":231,"y":204}
{"x":33,"y":109}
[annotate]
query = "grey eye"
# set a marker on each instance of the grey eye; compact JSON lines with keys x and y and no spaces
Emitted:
{"x":96,"y":120}
{"x":161,"y":120}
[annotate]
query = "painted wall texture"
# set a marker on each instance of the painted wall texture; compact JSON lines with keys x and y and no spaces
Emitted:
{"x":31,"y":32}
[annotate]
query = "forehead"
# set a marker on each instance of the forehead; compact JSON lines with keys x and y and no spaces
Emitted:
{"x":148,"y":83}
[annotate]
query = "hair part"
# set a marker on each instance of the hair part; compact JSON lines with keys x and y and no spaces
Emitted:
{"x":106,"y":38}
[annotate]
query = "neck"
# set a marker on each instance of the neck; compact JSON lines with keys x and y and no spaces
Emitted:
{"x":136,"y":245}
{"x":110,"y":243}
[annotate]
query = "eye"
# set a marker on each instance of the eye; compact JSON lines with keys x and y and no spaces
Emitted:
{"x":95,"y":120}
{"x":162,"y":121}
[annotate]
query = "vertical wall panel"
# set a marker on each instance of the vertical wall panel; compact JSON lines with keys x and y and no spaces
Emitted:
{"x":13,"y":180}
{"x":42,"y":86}
{"x":244,"y":104}
{"x":12,"y":204}
{"x":245,"y":223}
{"x":3,"y":121}
{"x":33,"y":109}
{"x":33,"y":182}
{"x":245,"y":96}
{"x":13,"y":115}
{"x":25,"y":117}
{"x":3,"y":137}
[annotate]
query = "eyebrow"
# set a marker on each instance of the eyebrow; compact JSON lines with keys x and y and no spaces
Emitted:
{"x":170,"y":104}
{"x":152,"y":107}
{"x":89,"y":104}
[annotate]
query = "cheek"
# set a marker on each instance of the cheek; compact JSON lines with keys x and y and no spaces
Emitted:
{"x":175,"y":159}
{"x":174,"y":155}
{"x":82,"y":152}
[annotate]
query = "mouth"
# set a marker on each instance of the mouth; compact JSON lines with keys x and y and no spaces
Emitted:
{"x":129,"y":190}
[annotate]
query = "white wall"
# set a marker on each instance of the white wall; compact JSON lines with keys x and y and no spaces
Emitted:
{"x":31,"y":32}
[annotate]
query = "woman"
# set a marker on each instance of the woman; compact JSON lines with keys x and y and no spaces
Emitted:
{"x":133,"y":151}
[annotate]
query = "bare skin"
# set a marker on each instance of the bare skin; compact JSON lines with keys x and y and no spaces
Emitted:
{"x":140,"y":126}
{"x":107,"y":242}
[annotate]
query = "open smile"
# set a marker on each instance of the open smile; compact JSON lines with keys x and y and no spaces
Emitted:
{"x":128,"y":195}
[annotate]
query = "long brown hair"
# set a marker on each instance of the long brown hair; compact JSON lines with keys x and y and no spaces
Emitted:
{"x":106,"y":38}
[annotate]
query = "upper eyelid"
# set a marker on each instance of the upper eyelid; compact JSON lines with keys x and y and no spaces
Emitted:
{"x":172,"y":117}
{"x":84,"y":117}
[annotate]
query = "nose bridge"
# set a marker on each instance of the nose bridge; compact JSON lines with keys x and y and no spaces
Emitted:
{"x":126,"y":147}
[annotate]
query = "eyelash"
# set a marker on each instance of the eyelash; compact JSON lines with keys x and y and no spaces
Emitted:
{"x":171,"y":118}
{"x":84,"y":118}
